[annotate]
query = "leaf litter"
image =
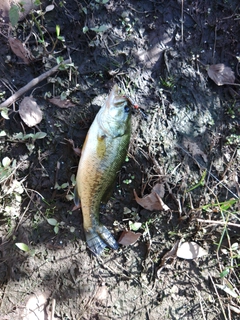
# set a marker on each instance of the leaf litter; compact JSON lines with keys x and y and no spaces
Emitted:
{"x":153,"y":200}
{"x":184,"y":250}
{"x":30,"y":112}
{"x":129,"y":237}
{"x":221,"y":74}
{"x":190,"y":251}
{"x":65,"y":291}
{"x":20,"y":50}
{"x":57,"y":101}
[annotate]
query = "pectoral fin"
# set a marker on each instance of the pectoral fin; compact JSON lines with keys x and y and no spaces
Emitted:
{"x":76,"y":197}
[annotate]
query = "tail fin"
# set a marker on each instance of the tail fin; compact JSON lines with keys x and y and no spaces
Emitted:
{"x":98,"y":239}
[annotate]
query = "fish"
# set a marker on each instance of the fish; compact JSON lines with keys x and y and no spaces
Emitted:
{"x":103,"y":153}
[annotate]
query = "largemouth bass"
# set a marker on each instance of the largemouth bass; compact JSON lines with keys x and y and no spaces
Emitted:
{"x":103,"y":152}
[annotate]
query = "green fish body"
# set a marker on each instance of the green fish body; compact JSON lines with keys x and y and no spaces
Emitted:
{"x":103,"y":154}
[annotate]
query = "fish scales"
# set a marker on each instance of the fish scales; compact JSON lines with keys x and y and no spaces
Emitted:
{"x":103,"y":153}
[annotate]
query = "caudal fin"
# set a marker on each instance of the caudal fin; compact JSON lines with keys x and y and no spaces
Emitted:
{"x":99,"y":238}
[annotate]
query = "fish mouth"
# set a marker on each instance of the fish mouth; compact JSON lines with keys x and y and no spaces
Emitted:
{"x":121,"y":100}
{"x":117,"y":99}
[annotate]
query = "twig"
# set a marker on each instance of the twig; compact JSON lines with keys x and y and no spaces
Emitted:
{"x":53,"y":308}
{"x":215,"y":42}
{"x":31,"y":84}
{"x":220,"y":302}
{"x":219,"y":222}
{"x":182,"y":21}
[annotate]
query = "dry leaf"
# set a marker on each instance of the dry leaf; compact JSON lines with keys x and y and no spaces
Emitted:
{"x":228,"y":290}
{"x":77,"y":150}
{"x":234,"y":308}
{"x":102,"y":293}
{"x":30,"y":112}
{"x":20,"y":50}
{"x":190,"y":250}
{"x":153,"y":200}
{"x":36,"y":307}
{"x":24,"y":8}
{"x":172,"y":254}
{"x":194,"y":149}
{"x":76,"y":207}
{"x":49,"y":8}
{"x":61,"y":103}
{"x":221,"y":74}
{"x":128,"y":237}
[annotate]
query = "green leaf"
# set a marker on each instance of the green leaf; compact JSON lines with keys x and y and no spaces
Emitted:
{"x":14,"y":15}
{"x":73,"y":179}
{"x":64,"y":185}
{"x":4,"y":114}
{"x":69,"y":197}
{"x":28,"y":136}
{"x":84,"y":9}
{"x":59,"y":60}
{"x":135,"y":226}
{"x":58,"y":30}
{"x":6,"y":162}
{"x":18,"y":135}
{"x":227,"y":204}
{"x":2,"y":133}
{"x":101,"y":28}
{"x":52,"y":221}
{"x":61,"y":38}
{"x":22,"y":246}
{"x":39,"y":135}
{"x":56,"y":229}
{"x":102,"y":1}
{"x":224,"y":273}
{"x":57,"y":186}
{"x":63,"y":96}
{"x":85,"y":29}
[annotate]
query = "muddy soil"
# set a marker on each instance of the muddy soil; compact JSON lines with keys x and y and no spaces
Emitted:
{"x":158,"y":52}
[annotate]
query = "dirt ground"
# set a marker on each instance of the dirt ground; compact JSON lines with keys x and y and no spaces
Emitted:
{"x":158,"y":52}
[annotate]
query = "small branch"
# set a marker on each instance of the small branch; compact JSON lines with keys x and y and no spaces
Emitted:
{"x":182,"y":21}
{"x":219,"y":222}
{"x":53,"y":309}
{"x":31,"y":84}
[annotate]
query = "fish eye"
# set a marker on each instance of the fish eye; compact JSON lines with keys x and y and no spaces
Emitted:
{"x":126,"y":108}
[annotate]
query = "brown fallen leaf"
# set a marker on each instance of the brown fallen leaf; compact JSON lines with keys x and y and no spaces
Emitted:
{"x":30,"y":112}
{"x":36,"y":307}
{"x":61,"y":103}
{"x":128,"y":237}
{"x":194,"y":149}
{"x":24,"y":8}
{"x":102,"y":293}
{"x":153,"y":200}
{"x":190,"y":250}
{"x":172,"y":254}
{"x":77,"y":150}
{"x":20,"y":50}
{"x":76,"y":207}
{"x":221,"y":74}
